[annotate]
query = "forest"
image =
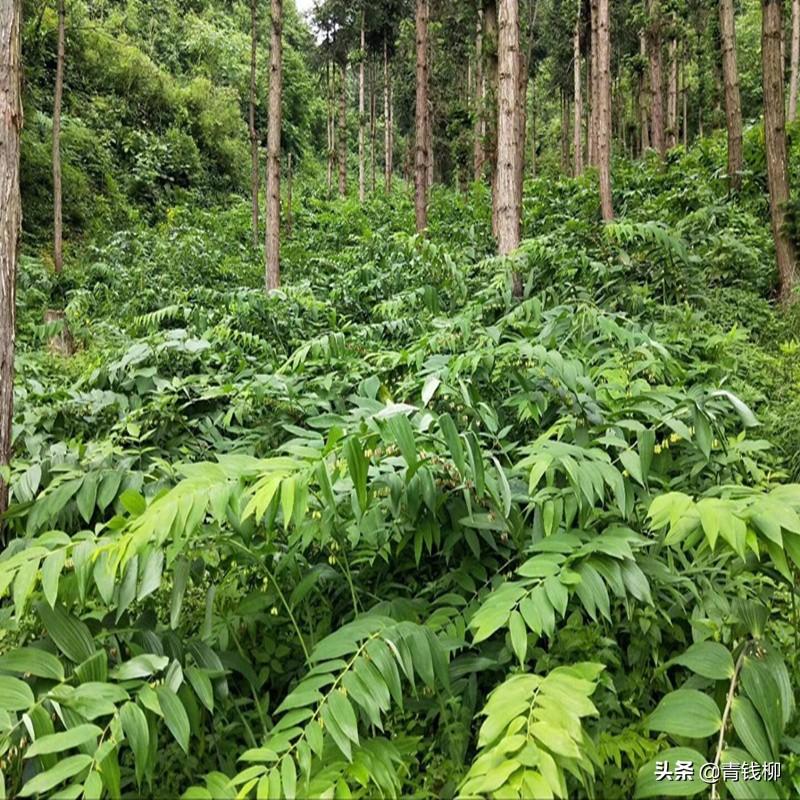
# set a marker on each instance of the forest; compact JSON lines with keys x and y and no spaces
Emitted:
{"x":399,"y":399}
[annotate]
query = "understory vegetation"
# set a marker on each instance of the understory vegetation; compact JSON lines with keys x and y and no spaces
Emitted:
{"x":389,"y":531}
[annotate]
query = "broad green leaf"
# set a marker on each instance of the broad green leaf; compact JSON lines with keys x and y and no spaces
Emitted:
{"x":63,"y":770}
{"x":175,"y":716}
{"x":709,"y":659}
{"x":686,"y":712}
{"x":139,"y":667}
{"x":519,"y":636}
{"x":70,"y":635}
{"x":58,"y":742}
{"x":750,"y":729}
{"x":137,"y":732}
{"x":357,"y":467}
{"x":648,"y":785}
{"x":32,"y":661}
{"x":15,"y":695}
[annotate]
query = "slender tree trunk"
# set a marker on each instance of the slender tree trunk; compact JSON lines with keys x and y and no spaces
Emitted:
{"x":604,"y":107}
{"x":478,"y":157}
{"x":644,"y":96}
{"x":373,"y":126}
{"x":672,"y":95}
{"x":733,"y":106}
{"x":490,"y":45}
{"x":507,"y":199}
{"x":656,"y":79}
{"x":10,"y":221}
{"x":273,"y":236}
{"x":421,"y":161}
{"x":577,"y":138}
{"x":387,"y":120}
{"x":362,"y":117}
{"x":533,"y":129}
{"x":58,"y":236}
{"x":331,"y":127}
{"x":795,"y":60}
{"x":775,"y":137}
{"x":343,"y":130}
{"x":254,"y":167}
{"x":685,"y":93}
{"x":595,"y":103}
{"x":564,"y":133}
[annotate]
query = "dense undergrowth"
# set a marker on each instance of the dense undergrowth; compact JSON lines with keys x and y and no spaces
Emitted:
{"x":391,"y":532}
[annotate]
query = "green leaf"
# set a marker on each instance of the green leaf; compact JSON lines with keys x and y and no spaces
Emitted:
{"x":631,"y":461}
{"x":32,"y":661}
{"x":709,"y":659}
{"x":289,"y":778}
{"x":64,"y":769}
{"x":750,"y":729}
{"x":58,"y":742}
{"x":175,"y":716}
{"x":403,"y":434}
{"x":139,"y":667}
{"x":137,"y":732}
{"x":357,"y":467}
{"x":450,"y":433}
{"x":87,"y":496}
{"x":201,"y":684}
{"x":344,"y":715}
{"x":51,"y":572}
{"x":647,"y":784}
{"x":15,"y":695}
{"x":519,"y":636}
{"x":180,"y":576}
{"x":686,"y":712}
{"x":68,"y":633}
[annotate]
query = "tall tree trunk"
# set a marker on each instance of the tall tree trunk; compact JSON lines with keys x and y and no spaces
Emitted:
{"x":564,"y":133}
{"x":775,"y":137}
{"x":733,"y":106}
{"x":387,"y":120}
{"x":273,"y":236}
{"x":254,"y":167}
{"x":594,"y":101}
{"x":331,"y":127}
{"x":479,"y":134}
{"x":10,"y":220}
{"x":656,"y":79}
{"x":421,"y":132}
{"x":672,"y":95}
{"x":507,"y":199}
{"x":795,"y":60}
{"x":533,"y":129}
{"x":373,"y":126}
{"x":577,"y":138}
{"x":644,"y":97}
{"x":58,"y":236}
{"x":685,"y":93}
{"x":490,"y":46}
{"x":604,"y":107}
{"x":342,"y":139}
{"x":362,"y":117}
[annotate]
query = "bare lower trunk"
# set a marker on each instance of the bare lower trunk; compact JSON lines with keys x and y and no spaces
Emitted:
{"x":342,"y":142}
{"x":522,"y":123}
{"x":644,"y":97}
{"x":594,"y":103}
{"x":331,"y":128}
{"x":58,"y":236}
{"x":362,"y":118}
{"x":479,"y":133}
{"x":685,"y":93}
{"x":254,"y":168}
{"x":795,"y":60}
{"x":387,"y":120}
{"x":577,"y":139}
{"x":533,"y":130}
{"x":672,"y":95}
{"x":775,"y":138}
{"x":421,"y":132}
{"x":733,"y":106}
{"x":273,"y":236}
{"x":490,"y":44}
{"x":373,"y":127}
{"x":564,"y":134}
{"x":604,"y":107}
{"x":10,"y":220}
{"x":656,"y":79}
{"x":507,"y":199}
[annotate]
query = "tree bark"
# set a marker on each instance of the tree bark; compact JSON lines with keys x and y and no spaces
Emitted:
{"x":373,"y":126}
{"x":577,"y":138}
{"x":421,"y":132}
{"x":387,"y":120}
{"x":733,"y":106}
{"x":656,"y":79}
{"x":273,"y":236}
{"x":478,"y":156}
{"x":775,"y":138}
{"x":342,"y":139}
{"x":643,"y":98}
{"x":685,"y":93}
{"x":533,"y":130}
{"x":58,"y":234}
{"x":10,"y":220}
{"x":672,"y":95}
{"x":507,"y":200}
{"x":594,"y":101}
{"x":490,"y":46}
{"x":564,"y":133}
{"x":254,"y":166}
{"x":795,"y":60}
{"x":362,"y":118}
{"x":289,"y":189}
{"x":331,"y":127}
{"x":604,"y":107}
